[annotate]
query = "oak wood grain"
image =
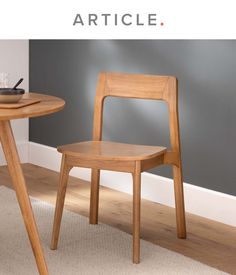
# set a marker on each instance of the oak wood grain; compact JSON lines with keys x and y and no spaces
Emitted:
{"x":22,"y":103}
{"x":60,"y":202}
{"x":136,"y":211}
{"x":15,"y":170}
{"x":106,"y":155}
{"x":47,"y":105}
{"x":107,"y":150}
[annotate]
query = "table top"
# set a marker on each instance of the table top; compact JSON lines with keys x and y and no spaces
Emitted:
{"x":47,"y":105}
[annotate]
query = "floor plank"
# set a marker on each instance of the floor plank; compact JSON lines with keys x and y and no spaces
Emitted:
{"x":209,"y":242}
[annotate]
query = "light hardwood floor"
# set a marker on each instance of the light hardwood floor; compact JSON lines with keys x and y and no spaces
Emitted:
{"x":209,"y":242}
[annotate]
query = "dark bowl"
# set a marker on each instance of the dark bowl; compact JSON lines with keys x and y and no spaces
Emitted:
{"x":8,"y":95}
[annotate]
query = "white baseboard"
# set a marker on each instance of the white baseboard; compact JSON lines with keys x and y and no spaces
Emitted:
{"x":22,"y":148}
{"x":200,"y":201}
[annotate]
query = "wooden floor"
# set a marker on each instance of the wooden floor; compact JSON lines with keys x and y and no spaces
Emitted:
{"x":209,"y":242}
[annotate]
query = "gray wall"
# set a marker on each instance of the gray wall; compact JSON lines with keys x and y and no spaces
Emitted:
{"x":207,"y":99}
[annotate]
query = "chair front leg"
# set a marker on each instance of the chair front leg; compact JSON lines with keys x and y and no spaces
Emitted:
{"x":179,"y":202}
{"x":136,"y":212}
{"x":94,"y":196}
{"x":64,"y":174}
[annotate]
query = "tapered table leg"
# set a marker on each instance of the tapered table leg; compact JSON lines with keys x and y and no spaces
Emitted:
{"x":15,"y":170}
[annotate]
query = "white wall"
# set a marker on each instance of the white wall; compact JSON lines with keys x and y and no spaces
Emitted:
{"x":14,"y":60}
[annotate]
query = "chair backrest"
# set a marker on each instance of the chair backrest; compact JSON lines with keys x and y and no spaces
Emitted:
{"x":142,"y":87}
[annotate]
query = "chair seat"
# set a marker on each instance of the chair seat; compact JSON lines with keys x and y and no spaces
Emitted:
{"x":107,"y":150}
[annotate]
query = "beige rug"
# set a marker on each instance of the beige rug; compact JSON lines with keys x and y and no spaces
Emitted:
{"x":83,"y":248}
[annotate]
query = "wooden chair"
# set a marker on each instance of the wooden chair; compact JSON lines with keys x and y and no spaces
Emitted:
{"x":129,"y":158}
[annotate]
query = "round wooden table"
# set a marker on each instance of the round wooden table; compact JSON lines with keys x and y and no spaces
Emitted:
{"x":47,"y":105}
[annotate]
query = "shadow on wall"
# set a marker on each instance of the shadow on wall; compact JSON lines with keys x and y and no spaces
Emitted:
{"x":206,"y":71}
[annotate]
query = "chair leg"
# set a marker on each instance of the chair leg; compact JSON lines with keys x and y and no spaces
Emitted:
{"x":179,"y":202}
{"x":64,"y":174}
{"x":94,"y":196}
{"x":136,"y":212}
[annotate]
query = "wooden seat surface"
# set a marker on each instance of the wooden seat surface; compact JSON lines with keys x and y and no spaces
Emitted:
{"x":107,"y":150}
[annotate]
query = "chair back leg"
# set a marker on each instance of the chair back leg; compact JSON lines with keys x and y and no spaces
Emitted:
{"x":136,"y":212}
{"x":179,"y":202}
{"x":94,"y":196}
{"x":64,"y":174}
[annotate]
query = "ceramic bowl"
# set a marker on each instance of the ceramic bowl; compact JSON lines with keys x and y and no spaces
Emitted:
{"x":10,"y":96}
